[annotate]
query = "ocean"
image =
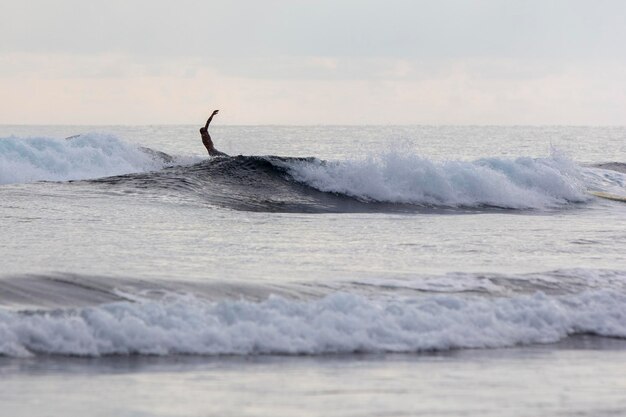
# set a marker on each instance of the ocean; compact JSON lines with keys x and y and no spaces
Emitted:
{"x":318,"y":271}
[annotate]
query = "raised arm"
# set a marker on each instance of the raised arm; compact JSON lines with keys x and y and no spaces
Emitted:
{"x":206,"y":138}
{"x":208,"y":122}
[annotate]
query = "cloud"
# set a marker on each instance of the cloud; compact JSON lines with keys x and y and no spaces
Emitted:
{"x":94,"y":90}
{"x":454,"y":29}
{"x":305,"y":61}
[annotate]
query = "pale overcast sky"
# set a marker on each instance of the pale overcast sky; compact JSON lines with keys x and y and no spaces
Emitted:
{"x":313,"y":62}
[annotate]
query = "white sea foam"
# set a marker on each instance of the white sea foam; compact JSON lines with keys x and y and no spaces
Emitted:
{"x":338,"y":323}
{"x":404,"y":177}
{"x":86,"y":156}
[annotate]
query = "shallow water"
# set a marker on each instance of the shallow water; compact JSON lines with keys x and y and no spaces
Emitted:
{"x":583,"y":376}
{"x":375,"y":245}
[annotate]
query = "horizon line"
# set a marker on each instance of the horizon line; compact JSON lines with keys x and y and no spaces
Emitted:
{"x":316,"y":125}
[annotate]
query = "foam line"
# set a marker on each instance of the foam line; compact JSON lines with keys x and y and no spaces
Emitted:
{"x":337,"y":323}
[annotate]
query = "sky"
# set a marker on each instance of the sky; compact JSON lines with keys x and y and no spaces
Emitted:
{"x":300,"y":62}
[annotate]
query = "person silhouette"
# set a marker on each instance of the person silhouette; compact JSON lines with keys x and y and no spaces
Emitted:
{"x":206,"y":138}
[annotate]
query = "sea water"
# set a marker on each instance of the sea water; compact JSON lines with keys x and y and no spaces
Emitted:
{"x":321,"y":270}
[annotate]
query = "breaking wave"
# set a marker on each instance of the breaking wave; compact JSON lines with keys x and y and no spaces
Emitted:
{"x":80,"y":157}
{"x":388,"y":181}
{"x":337,"y":323}
{"x":520,"y":183}
{"x":95,"y":316}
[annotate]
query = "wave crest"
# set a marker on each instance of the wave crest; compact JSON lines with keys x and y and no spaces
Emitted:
{"x":83,"y":157}
{"x":337,"y":323}
{"x":387,"y":181}
{"x":395,"y":177}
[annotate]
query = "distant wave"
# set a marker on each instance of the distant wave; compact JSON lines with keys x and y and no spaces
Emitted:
{"x":84,"y":156}
{"x":613,"y":166}
{"x":386,"y":181}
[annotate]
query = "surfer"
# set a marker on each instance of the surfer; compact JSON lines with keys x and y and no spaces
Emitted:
{"x":206,"y":138}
